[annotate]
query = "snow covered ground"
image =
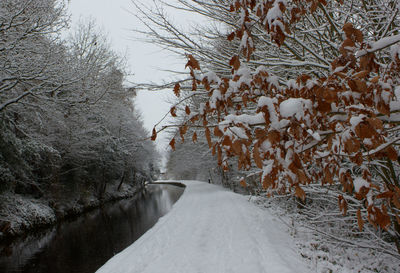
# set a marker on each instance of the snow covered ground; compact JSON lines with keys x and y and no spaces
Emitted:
{"x":211,"y":229}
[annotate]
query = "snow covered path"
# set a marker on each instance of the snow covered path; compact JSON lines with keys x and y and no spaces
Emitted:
{"x":211,"y":229}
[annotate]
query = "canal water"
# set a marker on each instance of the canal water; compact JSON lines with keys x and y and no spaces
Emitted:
{"x":84,"y":244}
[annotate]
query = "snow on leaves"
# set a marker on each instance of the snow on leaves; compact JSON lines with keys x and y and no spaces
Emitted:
{"x":340,"y":129}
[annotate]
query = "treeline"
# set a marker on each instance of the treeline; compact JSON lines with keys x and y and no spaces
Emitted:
{"x":68,"y":125}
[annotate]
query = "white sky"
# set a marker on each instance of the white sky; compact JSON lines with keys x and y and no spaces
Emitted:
{"x":144,"y":60}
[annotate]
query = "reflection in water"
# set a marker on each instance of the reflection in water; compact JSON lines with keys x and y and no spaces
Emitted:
{"x":87,"y":242}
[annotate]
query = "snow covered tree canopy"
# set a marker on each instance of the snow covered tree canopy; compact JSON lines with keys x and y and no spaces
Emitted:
{"x":322,"y":110}
{"x":67,"y":120}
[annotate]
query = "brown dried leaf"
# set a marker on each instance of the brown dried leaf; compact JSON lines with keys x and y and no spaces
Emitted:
{"x":274,"y":137}
{"x":194,"y":137}
{"x":206,"y":84}
{"x":245,"y":99}
{"x":302,"y":176}
{"x":364,"y":130}
{"x":194,"y":118}
{"x":187,"y":110}
{"x":382,"y":218}
{"x":214,"y":149}
{"x":235,"y":62}
{"x":267,"y":182}
{"x":177,"y":89}
{"x":182,"y":132}
{"x":383,"y":108}
{"x":297,"y":161}
{"x":257,"y":158}
{"x":358,"y":159}
{"x":359,"y":37}
{"x":172,"y":144}
{"x":346,"y":45}
{"x":348,"y":29}
{"x":328,"y":176}
{"x":342,"y":205}
{"x":341,"y":75}
{"x":192,"y":62}
{"x":259,"y":133}
{"x":154,"y":134}
{"x":218,"y":132}
{"x":231,"y":36}
{"x":227,"y":141}
{"x":219,"y":150}
{"x":396,"y":201}
{"x":361,"y":86}
{"x":237,"y":147}
{"x":391,"y":153}
{"x":173,"y":111}
{"x":357,"y":85}
{"x":375,"y":123}
{"x":375,"y":79}
{"x":386,"y":194}
{"x":237,"y":5}
{"x":352,"y":145}
{"x":324,"y":106}
{"x":361,"y":74}
{"x":194,"y":85}
{"x":300,"y":193}
{"x":360,"y":220}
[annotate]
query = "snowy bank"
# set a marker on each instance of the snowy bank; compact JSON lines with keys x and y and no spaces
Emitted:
{"x":21,"y":213}
{"x":211,"y":229}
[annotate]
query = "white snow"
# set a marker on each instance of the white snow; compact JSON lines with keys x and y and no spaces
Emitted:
{"x":315,"y":135}
{"x":243,"y":118}
{"x":212,"y":77}
{"x":380,"y":44}
{"x":214,"y":98}
{"x":275,"y":13}
{"x":359,"y":183}
{"x":294,"y":107}
{"x":395,"y":51}
{"x":355,"y":120}
{"x":270,"y":103}
{"x":211,"y":229}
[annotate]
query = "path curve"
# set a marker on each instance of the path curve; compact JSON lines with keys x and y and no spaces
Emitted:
{"x":211,"y":230}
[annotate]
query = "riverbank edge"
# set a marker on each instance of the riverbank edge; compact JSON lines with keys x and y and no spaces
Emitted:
{"x":173,"y":183}
{"x":21,"y":215}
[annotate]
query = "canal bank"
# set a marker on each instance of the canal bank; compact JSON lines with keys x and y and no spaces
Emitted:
{"x":22,"y":214}
{"x":84,"y":243}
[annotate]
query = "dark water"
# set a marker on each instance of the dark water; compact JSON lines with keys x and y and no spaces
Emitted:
{"x":86,"y":243}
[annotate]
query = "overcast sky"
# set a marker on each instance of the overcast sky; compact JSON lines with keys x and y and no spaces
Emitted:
{"x":144,"y":61}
